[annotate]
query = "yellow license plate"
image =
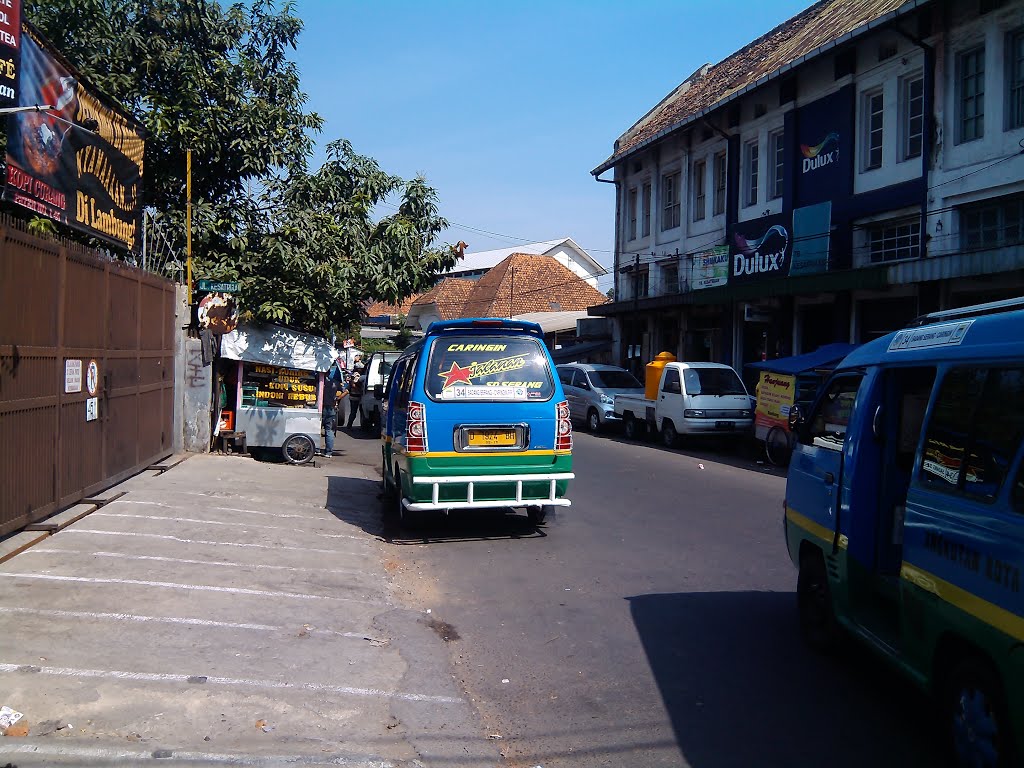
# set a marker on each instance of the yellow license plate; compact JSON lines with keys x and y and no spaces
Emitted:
{"x":492,"y":437}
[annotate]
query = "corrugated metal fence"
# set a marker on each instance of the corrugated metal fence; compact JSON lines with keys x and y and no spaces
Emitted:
{"x":64,"y":307}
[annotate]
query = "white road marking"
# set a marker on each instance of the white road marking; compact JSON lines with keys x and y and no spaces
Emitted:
{"x":153,"y":677}
{"x":56,"y":614}
{"x":123,"y":556}
{"x":74,"y":529}
{"x":274,"y":514}
{"x":174,"y":756}
{"x":195,"y":587}
{"x":221,"y":522}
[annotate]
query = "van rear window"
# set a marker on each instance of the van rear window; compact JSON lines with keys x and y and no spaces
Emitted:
{"x":488,"y":369}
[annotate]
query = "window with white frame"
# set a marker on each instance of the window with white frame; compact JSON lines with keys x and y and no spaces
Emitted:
{"x":872,"y":113}
{"x":631,"y":212}
{"x":670,"y":278}
{"x":894,"y":240}
{"x":750,"y":162}
{"x":700,"y":174}
{"x":1015,"y":79}
{"x":993,"y":223}
{"x":646,"y":229}
{"x":718,"y":204}
{"x":970,"y":79}
{"x":912,"y":116}
{"x":641,"y":284}
{"x":777,"y":161}
{"x":670,"y":200}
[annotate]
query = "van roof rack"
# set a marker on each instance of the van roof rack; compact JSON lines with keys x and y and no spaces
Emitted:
{"x":977,"y":310}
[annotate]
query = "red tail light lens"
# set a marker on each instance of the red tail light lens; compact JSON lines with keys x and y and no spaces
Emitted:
{"x":416,"y":429}
{"x":563,"y":427}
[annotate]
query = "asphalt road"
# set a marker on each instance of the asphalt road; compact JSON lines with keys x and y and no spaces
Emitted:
{"x":653,"y":623}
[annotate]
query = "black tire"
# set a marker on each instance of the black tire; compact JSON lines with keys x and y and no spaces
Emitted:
{"x":593,"y":420}
{"x":777,"y":446}
{"x":973,"y":708}
{"x":814,"y":602}
{"x":538,"y":515}
{"x":365,"y":424}
{"x":630,"y":428}
{"x":669,"y":436}
{"x":298,"y":449}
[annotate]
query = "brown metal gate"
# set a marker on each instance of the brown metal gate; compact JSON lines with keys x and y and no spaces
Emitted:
{"x":63,"y":302}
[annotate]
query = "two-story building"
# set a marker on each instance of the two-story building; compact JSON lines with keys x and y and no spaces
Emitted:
{"x":852,"y":168}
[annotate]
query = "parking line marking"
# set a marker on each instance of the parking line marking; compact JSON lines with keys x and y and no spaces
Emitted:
{"x":222,"y":522}
{"x":256,"y":761}
{"x":74,"y":529}
{"x":135,"y":617}
{"x":195,"y":587}
{"x":262,"y":566}
{"x":153,"y":677}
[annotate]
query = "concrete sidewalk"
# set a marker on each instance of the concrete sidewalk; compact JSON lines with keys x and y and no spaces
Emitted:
{"x":227,"y":612}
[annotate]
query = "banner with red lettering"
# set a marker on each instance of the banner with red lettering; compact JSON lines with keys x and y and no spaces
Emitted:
{"x":10,"y":60}
{"x":80,"y":163}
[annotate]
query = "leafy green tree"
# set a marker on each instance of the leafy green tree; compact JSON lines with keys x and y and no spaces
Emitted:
{"x":305,"y":245}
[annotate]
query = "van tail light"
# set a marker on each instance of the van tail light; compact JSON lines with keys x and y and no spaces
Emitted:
{"x":563,"y":427}
{"x":416,"y":429}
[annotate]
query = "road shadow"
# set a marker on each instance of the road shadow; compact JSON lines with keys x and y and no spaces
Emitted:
{"x":362,"y":503}
{"x":741,"y":689}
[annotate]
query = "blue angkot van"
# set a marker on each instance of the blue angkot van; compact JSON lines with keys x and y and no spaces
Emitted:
{"x":904,"y":514}
{"x":476,"y":418}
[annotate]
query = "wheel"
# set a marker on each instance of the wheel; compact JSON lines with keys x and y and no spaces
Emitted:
{"x":814,"y":601}
{"x":631,"y":428}
{"x":593,"y":420}
{"x":298,"y":449}
{"x":538,"y":515}
{"x":375,"y":421}
{"x":365,"y":424}
{"x":777,"y":446}
{"x":385,"y":485}
{"x":974,"y":710}
{"x":669,"y":436}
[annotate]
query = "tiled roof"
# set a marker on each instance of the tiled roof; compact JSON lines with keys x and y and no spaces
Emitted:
{"x":449,"y":295}
{"x":822,"y":23}
{"x":526,"y":282}
{"x":379,"y":308}
{"x":478,"y":260}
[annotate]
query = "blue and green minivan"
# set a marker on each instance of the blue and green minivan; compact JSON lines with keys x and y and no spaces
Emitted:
{"x":475,"y":418}
{"x":904,"y":514}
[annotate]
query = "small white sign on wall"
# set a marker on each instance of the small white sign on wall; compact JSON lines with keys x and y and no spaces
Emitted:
{"x":72,"y":376}
{"x":92,"y":409}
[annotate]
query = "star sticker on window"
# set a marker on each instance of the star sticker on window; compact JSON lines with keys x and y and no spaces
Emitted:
{"x":456,"y":375}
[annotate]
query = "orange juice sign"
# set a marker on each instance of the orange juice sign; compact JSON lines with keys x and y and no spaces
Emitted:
{"x":775,"y":395}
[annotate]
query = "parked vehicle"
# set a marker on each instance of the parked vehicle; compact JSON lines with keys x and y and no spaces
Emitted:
{"x":692,"y":399}
{"x":375,"y":381}
{"x":476,"y":418}
{"x":904,"y":513}
{"x":591,"y":389}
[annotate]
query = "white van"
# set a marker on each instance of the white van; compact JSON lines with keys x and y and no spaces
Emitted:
{"x":375,"y":381}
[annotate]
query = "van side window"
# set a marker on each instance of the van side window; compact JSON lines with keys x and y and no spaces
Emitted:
{"x":830,"y":420}
{"x":579,"y":379}
{"x":408,"y":377}
{"x":975,"y":430}
{"x":395,"y":380}
{"x":671,"y":384}
{"x":565,"y":376}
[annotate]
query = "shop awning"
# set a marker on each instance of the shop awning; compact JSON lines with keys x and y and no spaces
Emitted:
{"x":826,"y":356}
{"x":276,"y":345}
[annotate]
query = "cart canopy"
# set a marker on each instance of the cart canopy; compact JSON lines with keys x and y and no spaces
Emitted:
{"x":276,"y":345}
{"x":827,"y":356}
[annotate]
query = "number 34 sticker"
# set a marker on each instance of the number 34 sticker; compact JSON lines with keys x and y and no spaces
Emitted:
{"x":92,"y":378}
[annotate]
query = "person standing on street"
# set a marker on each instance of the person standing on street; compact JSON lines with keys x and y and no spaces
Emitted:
{"x":334,"y":393}
{"x":355,"y":396}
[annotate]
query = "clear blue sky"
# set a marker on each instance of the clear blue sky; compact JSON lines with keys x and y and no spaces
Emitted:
{"x":505,"y":107}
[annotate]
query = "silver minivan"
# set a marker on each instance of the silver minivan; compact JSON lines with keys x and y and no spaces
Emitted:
{"x":590,"y":389}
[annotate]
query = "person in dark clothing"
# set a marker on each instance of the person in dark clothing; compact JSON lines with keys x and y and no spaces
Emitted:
{"x":355,"y":396}
{"x":334,"y":393}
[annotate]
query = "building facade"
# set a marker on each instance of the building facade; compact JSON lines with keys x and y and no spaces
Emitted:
{"x":855,"y":167}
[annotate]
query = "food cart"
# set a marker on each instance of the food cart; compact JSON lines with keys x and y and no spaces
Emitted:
{"x":271,"y":381}
{"x":783,"y":383}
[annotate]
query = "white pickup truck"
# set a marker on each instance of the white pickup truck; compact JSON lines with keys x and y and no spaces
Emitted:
{"x":375,"y":381}
{"x":693,"y":399}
